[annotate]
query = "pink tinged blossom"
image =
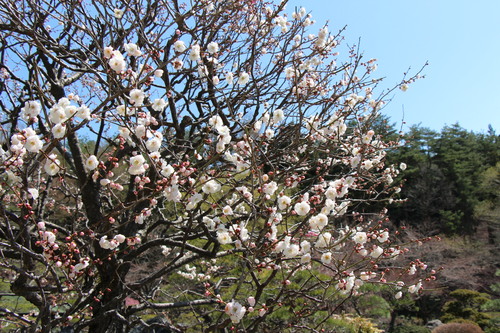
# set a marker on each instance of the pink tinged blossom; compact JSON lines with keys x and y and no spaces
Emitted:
{"x":129,"y":301}
{"x":158,"y":73}
{"x":177,"y":63}
{"x":235,"y":311}
{"x":49,"y":236}
{"x":120,"y":238}
{"x":133,"y":241}
{"x":251,"y":301}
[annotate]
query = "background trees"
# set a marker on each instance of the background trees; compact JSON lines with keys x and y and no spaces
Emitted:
{"x":449,"y":179}
{"x":210,"y":164}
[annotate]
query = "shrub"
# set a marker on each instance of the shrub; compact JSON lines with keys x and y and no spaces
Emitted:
{"x":458,"y":328}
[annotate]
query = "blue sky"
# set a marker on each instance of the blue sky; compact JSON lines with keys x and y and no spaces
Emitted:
{"x":460,"y":40}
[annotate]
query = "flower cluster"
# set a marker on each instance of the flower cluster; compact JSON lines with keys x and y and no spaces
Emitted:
{"x":239,"y":156}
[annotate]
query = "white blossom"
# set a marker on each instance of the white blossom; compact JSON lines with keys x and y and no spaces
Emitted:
{"x":213,"y":47}
{"x":179,"y":46}
{"x":243,"y":78}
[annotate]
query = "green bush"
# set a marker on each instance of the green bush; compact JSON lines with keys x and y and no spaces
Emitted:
{"x":466,"y":307}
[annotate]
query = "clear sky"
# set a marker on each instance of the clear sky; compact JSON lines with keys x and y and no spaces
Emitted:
{"x":460,"y":39}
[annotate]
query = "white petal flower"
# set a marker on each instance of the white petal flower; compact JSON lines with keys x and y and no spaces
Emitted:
{"x":243,"y":78}
{"x":83,"y":112}
{"x":235,"y":311}
{"x":360,"y":237}
{"x":326,"y":258}
{"x":136,"y":96}
{"x":118,"y":13}
{"x":31,"y":110}
{"x":227,"y":210}
{"x":58,"y":131}
{"x":179,"y":46}
{"x":212,"y":186}
{"x":91,"y":163}
{"x":283,"y":202}
{"x":108,"y":52}
{"x":291,"y":251}
{"x":376,"y":252}
{"x":223,"y":237}
{"x":213,"y":47}
{"x":302,"y":208}
{"x":33,"y":144}
{"x":159,"y":72}
{"x":278,"y":116}
{"x":229,"y":78}
{"x":52,"y":165}
{"x":117,"y":62}
{"x":159,"y":104}
{"x":132,"y":50}
{"x":33,"y":193}
{"x":194,"y":55}
{"x":153,"y":144}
